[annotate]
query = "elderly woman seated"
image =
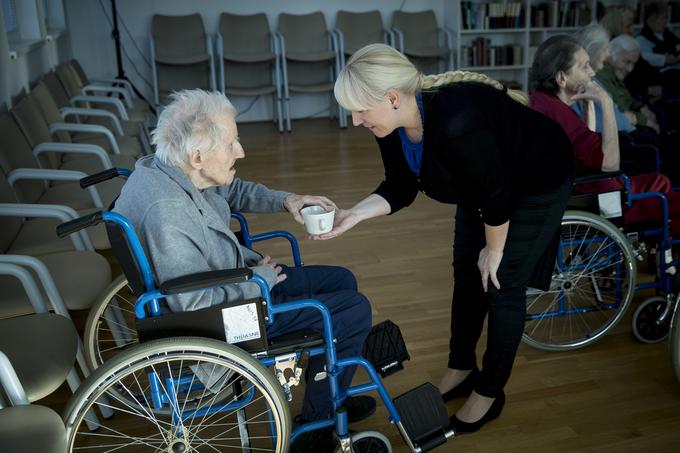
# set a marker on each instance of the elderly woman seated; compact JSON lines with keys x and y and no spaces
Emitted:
{"x":179,"y":202}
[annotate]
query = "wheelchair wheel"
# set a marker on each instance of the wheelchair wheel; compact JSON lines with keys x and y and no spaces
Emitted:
{"x":674,"y":340}
{"x":646,"y":327}
{"x":216,"y":397}
{"x":592,"y":285}
{"x":369,"y":442}
{"x":110,"y":326}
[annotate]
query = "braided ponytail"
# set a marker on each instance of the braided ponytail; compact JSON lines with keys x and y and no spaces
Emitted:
{"x":376,"y":68}
{"x":450,"y":77}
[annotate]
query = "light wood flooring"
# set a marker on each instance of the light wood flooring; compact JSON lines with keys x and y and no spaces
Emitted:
{"x":614,"y":396}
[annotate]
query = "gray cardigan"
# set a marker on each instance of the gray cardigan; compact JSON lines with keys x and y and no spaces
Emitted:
{"x":184,"y":230}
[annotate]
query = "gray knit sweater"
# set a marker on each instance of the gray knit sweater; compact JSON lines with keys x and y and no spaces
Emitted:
{"x":184,"y":230}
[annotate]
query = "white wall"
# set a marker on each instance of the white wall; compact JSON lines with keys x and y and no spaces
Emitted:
{"x":18,"y":74}
{"x":93,"y":46}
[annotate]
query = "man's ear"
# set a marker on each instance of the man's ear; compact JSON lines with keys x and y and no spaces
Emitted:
{"x":195,"y":161}
{"x":561,"y":79}
{"x":394,"y":97}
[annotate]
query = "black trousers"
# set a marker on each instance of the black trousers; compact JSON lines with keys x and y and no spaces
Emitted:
{"x":533,"y":224}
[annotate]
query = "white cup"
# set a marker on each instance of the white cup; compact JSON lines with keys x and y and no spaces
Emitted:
{"x":317,"y":219}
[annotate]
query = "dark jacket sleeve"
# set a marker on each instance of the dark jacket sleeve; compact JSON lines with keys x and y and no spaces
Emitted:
{"x":484,"y":174}
{"x":400,"y":186}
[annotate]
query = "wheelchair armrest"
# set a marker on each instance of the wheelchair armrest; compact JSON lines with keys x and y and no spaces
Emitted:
{"x":200,"y":280}
{"x":104,"y":176}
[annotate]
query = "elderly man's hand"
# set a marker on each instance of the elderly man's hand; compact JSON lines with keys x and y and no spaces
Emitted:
{"x":293,"y":203}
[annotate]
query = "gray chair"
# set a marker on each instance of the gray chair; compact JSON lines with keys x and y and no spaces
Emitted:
{"x":356,"y":30}
{"x":418,"y":37}
{"x":310,"y":59}
{"x":26,"y":427}
{"x":181,"y":54}
{"x":248,"y":56}
{"x":85,"y":157}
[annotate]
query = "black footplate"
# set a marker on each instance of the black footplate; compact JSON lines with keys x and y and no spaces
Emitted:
{"x":424,"y":416}
{"x":385,"y":348}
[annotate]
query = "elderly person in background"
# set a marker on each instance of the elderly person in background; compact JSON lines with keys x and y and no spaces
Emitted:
{"x":660,"y":47}
{"x":179,"y":202}
{"x":561,"y":75}
{"x":618,"y":21}
{"x":594,"y":39}
{"x":624,"y":51}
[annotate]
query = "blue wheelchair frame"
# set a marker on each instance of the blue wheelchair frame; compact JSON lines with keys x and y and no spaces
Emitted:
{"x":663,"y":281}
{"x":334,"y":366}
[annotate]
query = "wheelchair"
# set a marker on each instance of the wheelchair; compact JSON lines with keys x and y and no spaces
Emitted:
{"x":595,"y":273}
{"x":199,"y":380}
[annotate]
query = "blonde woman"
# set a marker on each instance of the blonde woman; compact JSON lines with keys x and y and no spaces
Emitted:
{"x":463,"y":139}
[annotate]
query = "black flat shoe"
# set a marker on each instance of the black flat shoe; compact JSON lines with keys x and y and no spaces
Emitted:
{"x":460,"y":427}
{"x":464,"y":388}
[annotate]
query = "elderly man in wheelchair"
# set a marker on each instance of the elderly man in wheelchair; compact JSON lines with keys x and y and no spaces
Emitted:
{"x":179,"y":202}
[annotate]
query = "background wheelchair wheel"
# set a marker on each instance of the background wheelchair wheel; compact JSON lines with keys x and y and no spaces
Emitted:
{"x":646,"y":329}
{"x":592,"y":285}
{"x":369,"y":442}
{"x":674,"y":340}
{"x":193,"y":377}
{"x":110,"y":326}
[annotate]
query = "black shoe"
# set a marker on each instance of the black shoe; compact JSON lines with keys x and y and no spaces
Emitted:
{"x":359,"y":408}
{"x":494,"y":412}
{"x":317,"y":441}
{"x":464,"y":388}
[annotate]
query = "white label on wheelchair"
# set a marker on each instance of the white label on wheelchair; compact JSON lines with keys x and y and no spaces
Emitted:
{"x":610,"y":204}
{"x":240,"y":323}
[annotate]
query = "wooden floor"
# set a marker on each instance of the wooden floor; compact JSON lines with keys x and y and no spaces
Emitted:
{"x":614,"y":396}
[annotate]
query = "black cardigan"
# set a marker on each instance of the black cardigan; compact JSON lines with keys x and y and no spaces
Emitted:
{"x":480,"y":148}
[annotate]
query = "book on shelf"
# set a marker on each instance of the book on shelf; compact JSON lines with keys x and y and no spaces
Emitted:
{"x":560,"y":13}
{"x":490,"y":16}
{"x":482,"y":53}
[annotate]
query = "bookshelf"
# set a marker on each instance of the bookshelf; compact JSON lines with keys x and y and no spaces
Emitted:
{"x":499,"y":38}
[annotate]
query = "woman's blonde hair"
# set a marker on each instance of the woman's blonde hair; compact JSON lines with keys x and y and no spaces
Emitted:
{"x":377,"y":68}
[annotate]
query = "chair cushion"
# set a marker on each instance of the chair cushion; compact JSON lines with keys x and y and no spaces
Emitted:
{"x":38,"y":236}
{"x":80,"y":278}
{"x":243,"y":57}
{"x":323,"y":55}
{"x":42,"y":349}
{"x":92,"y":165}
{"x":129,"y":146}
{"x":31,"y":428}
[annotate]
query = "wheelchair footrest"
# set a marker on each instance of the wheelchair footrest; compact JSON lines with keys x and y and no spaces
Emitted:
{"x":424,"y":416}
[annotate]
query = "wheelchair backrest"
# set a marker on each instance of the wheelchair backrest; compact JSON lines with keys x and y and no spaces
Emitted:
{"x":122,"y":250}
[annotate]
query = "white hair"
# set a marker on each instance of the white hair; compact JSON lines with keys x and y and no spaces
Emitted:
{"x":189,"y":123}
{"x":621,"y":44}
{"x":594,"y":39}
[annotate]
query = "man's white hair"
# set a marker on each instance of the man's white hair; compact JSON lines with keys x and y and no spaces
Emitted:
{"x":190,"y":122}
{"x":621,"y":44}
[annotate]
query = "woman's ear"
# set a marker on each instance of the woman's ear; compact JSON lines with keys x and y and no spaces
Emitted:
{"x":394,"y":98}
{"x":561,"y":79}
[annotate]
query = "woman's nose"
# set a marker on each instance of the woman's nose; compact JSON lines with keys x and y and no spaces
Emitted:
{"x":356,"y":119}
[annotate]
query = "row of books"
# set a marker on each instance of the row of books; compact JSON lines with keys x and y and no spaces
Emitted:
{"x":561,"y":14}
{"x":488,"y":16}
{"x":482,"y":53}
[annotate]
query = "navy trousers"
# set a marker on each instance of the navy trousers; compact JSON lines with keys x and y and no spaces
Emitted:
{"x":336,"y":288}
{"x":533,"y":224}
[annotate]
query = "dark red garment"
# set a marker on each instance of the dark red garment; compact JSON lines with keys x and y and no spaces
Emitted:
{"x":588,"y":151}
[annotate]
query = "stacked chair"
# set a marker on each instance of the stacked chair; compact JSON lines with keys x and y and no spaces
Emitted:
{"x":356,"y":30}
{"x":310,"y":59}
{"x":249,"y":63}
{"x":181,"y":54}
{"x":32,"y":366}
{"x":418,"y":37}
